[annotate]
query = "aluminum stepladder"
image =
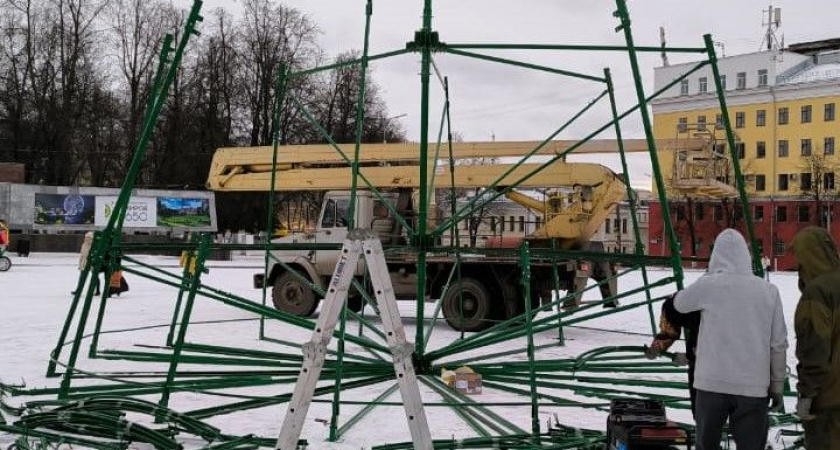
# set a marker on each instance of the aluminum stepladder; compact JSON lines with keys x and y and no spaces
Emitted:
{"x":359,"y":243}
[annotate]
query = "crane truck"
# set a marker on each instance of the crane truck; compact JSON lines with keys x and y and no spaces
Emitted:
{"x":581,"y":197}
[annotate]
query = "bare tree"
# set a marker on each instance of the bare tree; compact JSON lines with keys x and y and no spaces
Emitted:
{"x":817,"y":183}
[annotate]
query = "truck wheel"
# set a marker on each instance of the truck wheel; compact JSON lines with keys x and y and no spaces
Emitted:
{"x":476,"y":312}
{"x":293,"y":296}
{"x":5,"y":264}
{"x":514,"y":306}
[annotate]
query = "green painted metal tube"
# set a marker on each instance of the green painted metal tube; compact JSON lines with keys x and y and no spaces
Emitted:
{"x":758,"y":268}
{"x":536,"y":67}
{"x":483,"y":200}
{"x":623,"y":15}
{"x":178,"y":346}
{"x":352,"y":62}
{"x":525,"y":263}
{"x":617,"y":48}
{"x":368,"y":407}
{"x":279,"y":96}
{"x":631,"y":195}
{"x":331,"y":142}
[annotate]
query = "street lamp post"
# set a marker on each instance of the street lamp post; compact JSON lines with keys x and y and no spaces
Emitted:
{"x":385,"y":121}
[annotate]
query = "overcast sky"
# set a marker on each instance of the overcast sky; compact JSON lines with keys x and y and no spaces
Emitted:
{"x":508,"y":103}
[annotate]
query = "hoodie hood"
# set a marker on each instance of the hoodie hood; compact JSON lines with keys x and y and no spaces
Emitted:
{"x":730,"y":254}
{"x":815,"y":253}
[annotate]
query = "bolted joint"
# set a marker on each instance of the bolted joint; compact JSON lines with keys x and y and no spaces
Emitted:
{"x":422,"y":365}
{"x":425,"y":40}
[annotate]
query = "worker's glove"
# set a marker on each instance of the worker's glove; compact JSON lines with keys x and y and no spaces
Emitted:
{"x":803,"y":408}
{"x":680,"y":359}
{"x":652,"y":351}
{"x":777,"y":397}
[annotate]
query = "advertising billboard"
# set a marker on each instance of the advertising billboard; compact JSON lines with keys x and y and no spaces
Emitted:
{"x":175,"y":212}
{"x":64,"y":209}
{"x":141,"y":212}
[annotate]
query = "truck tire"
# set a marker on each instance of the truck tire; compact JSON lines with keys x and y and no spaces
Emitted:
{"x":292,"y":296}
{"x":477,"y":313}
{"x":5,"y":264}
{"x":513,"y":304}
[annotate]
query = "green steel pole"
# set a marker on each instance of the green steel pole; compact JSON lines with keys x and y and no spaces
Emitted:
{"x":189,"y":259}
{"x":71,"y":313}
{"x":525,"y":261}
{"x":555,"y":279}
{"x":360,"y":117}
{"x":623,"y":15}
{"x":279,"y":95}
{"x":421,"y":237}
{"x":178,"y":347}
{"x":733,"y":154}
{"x":631,"y":195}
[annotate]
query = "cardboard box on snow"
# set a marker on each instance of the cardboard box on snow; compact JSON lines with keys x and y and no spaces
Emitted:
{"x":467,"y":383}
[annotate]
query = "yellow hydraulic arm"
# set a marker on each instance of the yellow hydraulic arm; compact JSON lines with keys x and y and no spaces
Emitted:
{"x":572,"y":216}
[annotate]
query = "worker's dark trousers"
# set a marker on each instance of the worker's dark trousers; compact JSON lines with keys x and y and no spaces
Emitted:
{"x":823,"y":433}
{"x":747,"y":420}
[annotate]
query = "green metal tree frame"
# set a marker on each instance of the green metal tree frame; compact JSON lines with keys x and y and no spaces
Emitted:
{"x":536,"y":379}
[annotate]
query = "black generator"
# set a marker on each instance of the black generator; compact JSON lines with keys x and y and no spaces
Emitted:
{"x":635,"y":424}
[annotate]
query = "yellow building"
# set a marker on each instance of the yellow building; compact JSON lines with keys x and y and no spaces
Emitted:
{"x":783,"y":110}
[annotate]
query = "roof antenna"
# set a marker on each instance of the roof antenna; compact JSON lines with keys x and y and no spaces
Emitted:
{"x":772,"y":21}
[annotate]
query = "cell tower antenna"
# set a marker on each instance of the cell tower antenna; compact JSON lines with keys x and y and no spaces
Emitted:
{"x":664,"y":55}
{"x":772,"y":19}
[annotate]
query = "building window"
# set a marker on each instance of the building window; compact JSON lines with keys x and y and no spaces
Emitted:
{"x":512,"y":223}
{"x":805,"y":181}
{"x":718,"y":121}
{"x":624,"y":226}
{"x":759,"y":214}
{"x":717,"y":212}
{"x":740,"y":119}
{"x":742,"y":81}
{"x":784,"y":116}
{"x":742,"y":150}
{"x":737,"y":212}
{"x":680,"y":212}
{"x":762,"y":77}
{"x":607,"y":228}
{"x":781,"y":214}
{"x":760,"y":118}
{"x":704,"y":85}
{"x":783,"y":181}
{"x":522,"y":223}
{"x":684,"y":87}
{"x":805,"y":114}
{"x":803,"y":213}
{"x":701,"y":123}
{"x":828,"y":181}
{"x":682,"y":124}
{"x":783,"y":148}
{"x":698,"y":211}
{"x":502,"y":224}
{"x":760,"y":183}
{"x":828,"y":112}
{"x":493,"y":224}
{"x":779,"y":247}
{"x":723,"y":82}
{"x":828,"y":146}
{"x":805,"y":147}
{"x":760,"y":149}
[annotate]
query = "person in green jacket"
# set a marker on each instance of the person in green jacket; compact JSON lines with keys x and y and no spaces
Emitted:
{"x":817,"y":324}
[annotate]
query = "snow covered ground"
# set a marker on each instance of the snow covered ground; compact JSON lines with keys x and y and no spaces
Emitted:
{"x":35,"y":294}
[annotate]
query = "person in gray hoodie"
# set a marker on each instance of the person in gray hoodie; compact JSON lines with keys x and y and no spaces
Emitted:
{"x":741,"y":352}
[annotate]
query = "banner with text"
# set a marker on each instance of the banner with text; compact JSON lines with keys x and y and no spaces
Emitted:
{"x":141,"y":213}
